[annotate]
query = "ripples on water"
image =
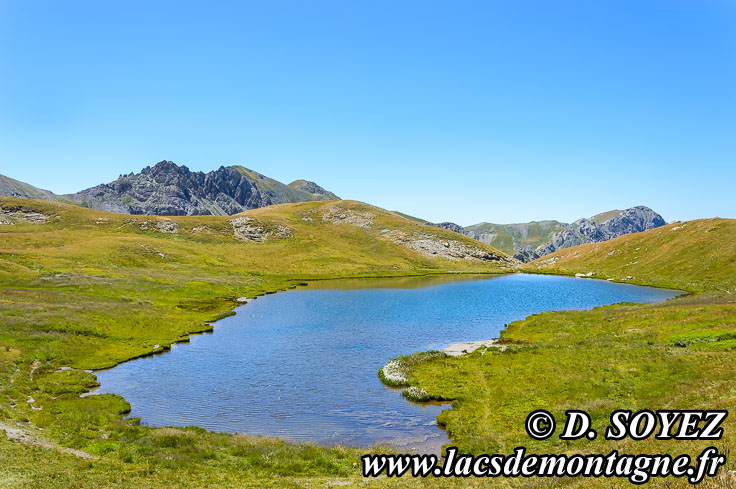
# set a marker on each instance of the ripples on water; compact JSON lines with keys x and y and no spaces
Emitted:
{"x":303,"y":364}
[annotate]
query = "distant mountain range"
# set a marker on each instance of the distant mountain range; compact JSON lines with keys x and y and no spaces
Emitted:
{"x":528,"y":241}
{"x":173,"y":190}
{"x":168,"y":189}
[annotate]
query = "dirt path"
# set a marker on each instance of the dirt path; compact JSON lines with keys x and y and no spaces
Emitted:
{"x":29,"y":437}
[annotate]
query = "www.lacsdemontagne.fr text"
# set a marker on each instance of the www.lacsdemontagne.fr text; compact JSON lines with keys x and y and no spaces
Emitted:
{"x":638,"y":469}
{"x":540,"y":425}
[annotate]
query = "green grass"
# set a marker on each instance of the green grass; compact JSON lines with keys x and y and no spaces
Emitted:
{"x":90,"y":289}
{"x":694,"y":256}
{"x":396,"y":370}
{"x":680,"y":354}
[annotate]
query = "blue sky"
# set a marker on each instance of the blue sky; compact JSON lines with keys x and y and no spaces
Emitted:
{"x":500,"y":111}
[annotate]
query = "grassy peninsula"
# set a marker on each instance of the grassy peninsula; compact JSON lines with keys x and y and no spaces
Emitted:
{"x":680,"y":354}
{"x":83,"y":289}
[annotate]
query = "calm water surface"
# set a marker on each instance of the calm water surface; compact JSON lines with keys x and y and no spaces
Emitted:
{"x":303,"y":364}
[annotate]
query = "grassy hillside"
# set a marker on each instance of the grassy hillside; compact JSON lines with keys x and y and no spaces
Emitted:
{"x":680,"y":354}
{"x":314,"y":189}
{"x":695,"y":256}
{"x":173,"y":267}
{"x":16,"y":188}
{"x":86,"y":289}
{"x":292,"y":192}
{"x":525,"y":235}
{"x":418,"y":220}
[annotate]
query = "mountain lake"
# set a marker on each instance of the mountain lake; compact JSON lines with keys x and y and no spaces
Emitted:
{"x":303,"y":364}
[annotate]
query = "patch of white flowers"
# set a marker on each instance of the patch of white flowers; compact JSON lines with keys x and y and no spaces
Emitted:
{"x":416,"y":394}
{"x":395,"y":371}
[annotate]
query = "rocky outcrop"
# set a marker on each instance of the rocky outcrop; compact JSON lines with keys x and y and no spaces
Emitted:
{"x":167,"y":189}
{"x":338,"y":215}
{"x":10,"y":216}
{"x":525,"y":255}
{"x":247,"y":229}
{"x":450,"y":226}
{"x":167,"y":227}
{"x":433,"y":246}
{"x":529,"y":241}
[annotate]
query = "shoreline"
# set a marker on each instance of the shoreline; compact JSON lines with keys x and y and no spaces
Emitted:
{"x":457,"y":349}
{"x":292,"y":284}
{"x":465,"y":347}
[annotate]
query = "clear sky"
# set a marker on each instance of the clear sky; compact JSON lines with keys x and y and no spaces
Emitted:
{"x":499,"y":111}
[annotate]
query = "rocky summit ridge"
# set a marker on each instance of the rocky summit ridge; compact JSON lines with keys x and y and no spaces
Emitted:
{"x":168,"y":189}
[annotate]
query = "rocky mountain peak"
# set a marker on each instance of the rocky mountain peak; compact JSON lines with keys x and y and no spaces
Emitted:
{"x":529,"y":241}
{"x":171,"y":189}
{"x":165,"y":166}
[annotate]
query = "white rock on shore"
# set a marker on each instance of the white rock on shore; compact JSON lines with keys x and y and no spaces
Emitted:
{"x":462,"y":348}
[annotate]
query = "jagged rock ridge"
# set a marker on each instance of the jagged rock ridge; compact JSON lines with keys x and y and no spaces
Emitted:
{"x":172,"y":190}
{"x":529,"y":241}
{"x":167,"y":189}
